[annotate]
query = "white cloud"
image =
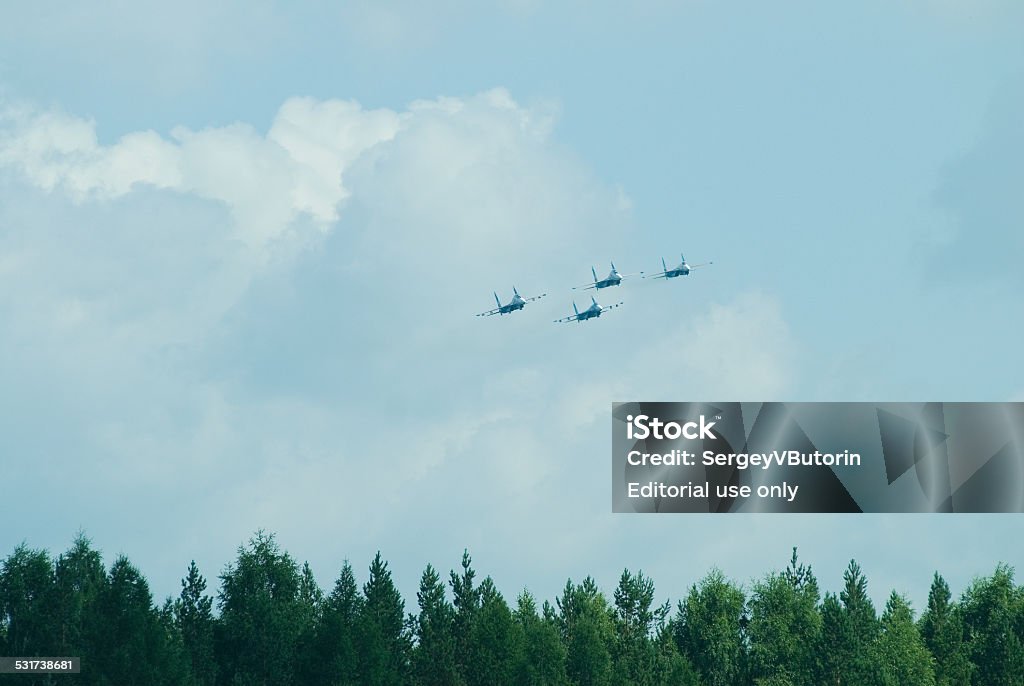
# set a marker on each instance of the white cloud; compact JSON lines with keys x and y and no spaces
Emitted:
{"x":161,"y":306}
{"x":266,"y":181}
{"x":339,"y":387}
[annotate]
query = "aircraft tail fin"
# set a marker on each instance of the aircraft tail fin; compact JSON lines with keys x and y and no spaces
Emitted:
{"x":496,"y":299}
{"x":664,"y":267}
{"x":594,"y":272}
{"x":514,"y":290}
{"x":575,"y":309}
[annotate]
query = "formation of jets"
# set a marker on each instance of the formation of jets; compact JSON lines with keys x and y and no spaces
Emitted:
{"x":595,"y":310}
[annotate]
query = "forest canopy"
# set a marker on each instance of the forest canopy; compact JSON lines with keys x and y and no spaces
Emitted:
{"x":269,"y":623}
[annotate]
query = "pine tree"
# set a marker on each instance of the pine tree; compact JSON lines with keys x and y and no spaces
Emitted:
{"x":542,"y":661}
{"x":587,"y":629}
{"x":383,"y":641}
{"x":260,"y":615}
{"x":79,"y":579}
{"x":129,"y":644}
{"x":194,"y":618}
{"x":496,"y":641}
{"x":634,"y":654}
{"x":336,"y":635}
{"x":466,"y":601}
{"x":943,"y":632}
{"x":434,"y":658}
{"x":834,"y":660}
{"x":862,"y":629}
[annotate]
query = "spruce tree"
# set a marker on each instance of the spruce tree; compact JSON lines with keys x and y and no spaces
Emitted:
{"x":943,"y":632}
{"x":434,"y":658}
{"x":336,"y":636}
{"x":382,"y":640}
{"x":194,"y":618}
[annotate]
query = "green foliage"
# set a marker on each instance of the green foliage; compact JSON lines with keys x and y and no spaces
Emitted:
{"x":274,"y":626}
{"x":383,"y":641}
{"x":709,"y":630}
{"x":334,"y":656}
{"x":193,"y":617}
{"x":260,"y":615}
{"x":942,"y":629}
{"x":586,"y":625}
{"x":785,"y":628}
{"x":542,"y":661}
{"x":901,"y":653}
{"x":434,"y":659}
{"x":991,"y":611}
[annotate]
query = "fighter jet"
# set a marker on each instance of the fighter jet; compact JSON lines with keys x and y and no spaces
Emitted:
{"x":517,"y":302}
{"x":614,"y":278}
{"x":591,"y":312}
{"x":682,"y":270}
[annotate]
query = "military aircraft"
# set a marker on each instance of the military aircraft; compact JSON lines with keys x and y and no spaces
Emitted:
{"x":682,"y":270}
{"x":517,"y":302}
{"x":614,"y":278}
{"x":591,"y":312}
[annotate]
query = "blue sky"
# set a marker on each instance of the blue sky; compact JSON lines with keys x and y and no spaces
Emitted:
{"x":241,"y":245}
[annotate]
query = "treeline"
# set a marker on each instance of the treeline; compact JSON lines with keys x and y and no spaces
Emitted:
{"x":271,"y":624}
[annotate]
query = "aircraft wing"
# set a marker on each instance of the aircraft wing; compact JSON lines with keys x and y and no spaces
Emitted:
{"x":489,"y":312}
{"x":536,"y":297}
{"x":702,"y":264}
{"x":570,"y":318}
{"x":661,"y":275}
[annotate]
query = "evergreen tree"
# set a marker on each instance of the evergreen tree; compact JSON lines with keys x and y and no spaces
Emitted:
{"x":836,"y":655}
{"x":79,"y":578}
{"x":194,"y":619}
{"x":634,"y":616}
{"x":337,"y":660}
{"x":542,"y":661}
{"x":466,"y":601}
{"x":901,"y":654}
{"x":496,"y":641}
{"x":943,"y":633}
{"x":260,"y":615}
{"x":586,"y":624}
{"x":671,"y":667}
{"x":383,"y":640}
{"x":311,"y":604}
{"x":861,"y":629}
{"x":434,"y":658}
{"x":130,"y":647}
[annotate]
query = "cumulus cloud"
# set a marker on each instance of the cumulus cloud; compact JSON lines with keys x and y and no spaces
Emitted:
{"x":276,"y":329}
{"x":265,"y":181}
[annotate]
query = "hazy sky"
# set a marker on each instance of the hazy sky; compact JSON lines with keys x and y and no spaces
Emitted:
{"x":242,"y":244}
